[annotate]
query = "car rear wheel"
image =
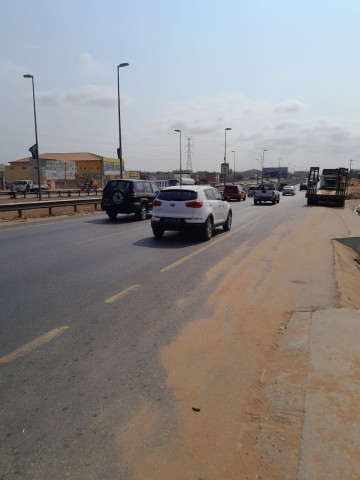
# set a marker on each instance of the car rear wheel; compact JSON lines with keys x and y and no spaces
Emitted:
{"x":111,"y":214}
{"x":158,"y":232}
{"x":208,"y":229}
{"x":142,"y":214}
{"x":227,"y":224}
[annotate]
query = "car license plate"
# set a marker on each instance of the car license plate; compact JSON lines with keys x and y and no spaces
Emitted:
{"x":172,"y":219}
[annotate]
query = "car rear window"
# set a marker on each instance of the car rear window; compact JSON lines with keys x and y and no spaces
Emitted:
{"x":231,"y":188}
{"x":123,"y":184}
{"x":177,"y":195}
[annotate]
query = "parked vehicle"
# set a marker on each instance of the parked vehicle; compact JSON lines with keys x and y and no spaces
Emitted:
{"x":198,"y":207}
{"x":27,"y":186}
{"x":303,"y":186}
{"x":251,"y":190}
{"x":184,"y":181}
{"x":234,"y":192}
{"x":288,"y":190}
{"x":129,"y":196}
{"x":332,"y":188}
{"x":266,"y":192}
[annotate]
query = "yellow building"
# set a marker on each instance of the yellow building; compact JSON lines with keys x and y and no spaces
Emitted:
{"x":67,"y":170}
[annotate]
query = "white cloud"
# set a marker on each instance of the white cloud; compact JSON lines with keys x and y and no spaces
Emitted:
{"x":92,"y":95}
{"x":89,"y":64}
{"x":288,"y":106}
{"x":100,"y":96}
{"x":11,"y":72}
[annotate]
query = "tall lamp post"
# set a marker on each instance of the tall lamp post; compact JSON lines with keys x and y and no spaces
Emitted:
{"x":36,"y":151}
{"x":226,"y":130}
{"x":279,"y":170}
{"x":262,"y":165}
{"x":179,"y":131}
{"x":233,"y":151}
{"x":119,"y":150}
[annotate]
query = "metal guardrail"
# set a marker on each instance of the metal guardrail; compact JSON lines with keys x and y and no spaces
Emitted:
{"x":49,"y":204}
{"x":68,"y":192}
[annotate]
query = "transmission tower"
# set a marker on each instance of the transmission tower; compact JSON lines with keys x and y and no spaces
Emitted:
{"x":188,"y":154}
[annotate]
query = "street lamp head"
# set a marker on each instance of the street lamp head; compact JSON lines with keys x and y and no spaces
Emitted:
{"x":28,"y":76}
{"x":177,"y":130}
{"x":228,"y":128}
{"x":123,"y":65}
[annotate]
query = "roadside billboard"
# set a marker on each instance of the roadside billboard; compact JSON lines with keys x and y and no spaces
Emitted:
{"x":111,"y":166}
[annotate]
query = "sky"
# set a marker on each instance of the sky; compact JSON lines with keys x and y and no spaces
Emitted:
{"x":282,"y":74}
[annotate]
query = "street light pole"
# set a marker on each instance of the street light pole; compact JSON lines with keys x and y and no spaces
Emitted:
{"x":233,"y":151}
{"x":36,"y":137}
{"x":226,"y":130}
{"x":279,"y":170}
{"x":179,"y":131}
{"x":119,"y":151}
{"x":262,"y":166}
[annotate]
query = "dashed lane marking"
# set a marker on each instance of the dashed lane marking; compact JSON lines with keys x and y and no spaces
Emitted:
{"x":28,"y":347}
{"x":122,"y":294}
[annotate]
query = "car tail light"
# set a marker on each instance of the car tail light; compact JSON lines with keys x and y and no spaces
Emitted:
{"x":194,"y":204}
{"x":156,"y":203}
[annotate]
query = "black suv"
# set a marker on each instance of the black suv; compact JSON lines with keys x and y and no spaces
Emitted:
{"x":129,"y":196}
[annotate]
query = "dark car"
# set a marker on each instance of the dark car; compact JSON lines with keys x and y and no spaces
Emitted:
{"x":129,"y":196}
{"x":251,"y":190}
{"x":303,"y":186}
{"x":234,"y":192}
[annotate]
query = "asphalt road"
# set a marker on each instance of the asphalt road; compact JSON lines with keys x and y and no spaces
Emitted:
{"x":86,"y":306}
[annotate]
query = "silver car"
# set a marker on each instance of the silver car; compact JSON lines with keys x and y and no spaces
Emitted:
{"x":288,"y":190}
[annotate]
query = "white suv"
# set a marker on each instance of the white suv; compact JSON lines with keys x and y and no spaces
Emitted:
{"x":190,"y":207}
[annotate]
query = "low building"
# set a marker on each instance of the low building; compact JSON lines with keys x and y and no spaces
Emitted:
{"x":67,"y":170}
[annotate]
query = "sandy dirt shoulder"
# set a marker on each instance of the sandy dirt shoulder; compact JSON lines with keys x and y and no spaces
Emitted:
{"x":247,"y":368}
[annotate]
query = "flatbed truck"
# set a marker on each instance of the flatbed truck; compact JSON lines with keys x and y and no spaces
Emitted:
{"x":332,"y":188}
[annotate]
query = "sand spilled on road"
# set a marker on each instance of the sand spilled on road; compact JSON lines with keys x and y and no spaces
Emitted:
{"x":245,"y":383}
